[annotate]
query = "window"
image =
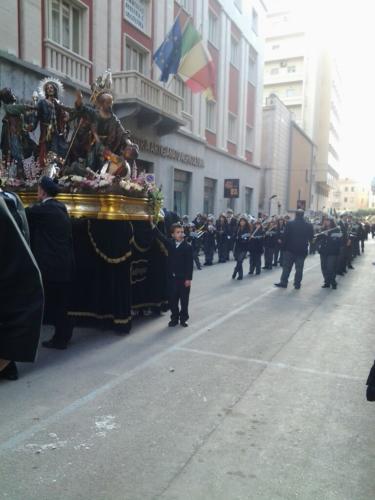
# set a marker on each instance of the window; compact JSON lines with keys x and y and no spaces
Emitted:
{"x":65,"y":25}
{"x":213,"y":29}
{"x":249,"y":138}
{"x":211,"y":116}
{"x":283,"y":64}
{"x":346,"y":189}
{"x":345,"y":200}
{"x":185,"y":93}
{"x":307,"y":176}
{"x":181,"y":191}
{"x":252,"y":69}
{"x":254,"y":21}
{"x":352,"y":190}
{"x":248,"y":199}
{"x":274,"y":71}
{"x":275,"y":47}
{"x":137,"y":13}
{"x":232,"y":128}
{"x":186,"y":5}
{"x":291,"y":69}
{"x":234,"y":52}
{"x":209,"y":195}
{"x":136,"y":58}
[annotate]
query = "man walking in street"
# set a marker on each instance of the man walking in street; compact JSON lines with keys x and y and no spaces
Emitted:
{"x":298,"y":234}
{"x":52,"y":246}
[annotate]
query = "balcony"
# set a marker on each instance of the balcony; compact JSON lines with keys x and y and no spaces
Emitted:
{"x":151,"y":104}
{"x":66,"y":63}
{"x":282,"y":78}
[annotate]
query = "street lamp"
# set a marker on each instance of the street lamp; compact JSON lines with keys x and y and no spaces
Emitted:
{"x":269,"y":203}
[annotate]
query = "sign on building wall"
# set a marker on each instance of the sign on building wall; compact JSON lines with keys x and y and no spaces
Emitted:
{"x":231,"y":188}
{"x":136,"y":13}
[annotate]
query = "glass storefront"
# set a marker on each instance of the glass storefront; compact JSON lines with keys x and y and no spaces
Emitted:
{"x":181,"y":193}
{"x":209,"y":195}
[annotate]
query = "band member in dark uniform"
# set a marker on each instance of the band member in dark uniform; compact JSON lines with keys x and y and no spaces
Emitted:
{"x":180,"y":273}
{"x":209,"y":242}
{"x":21,"y":298}
{"x":241,"y":246}
{"x":278,"y":252}
{"x":232,"y":230}
{"x":256,"y":248}
{"x":329,"y":244}
{"x":298,"y":234}
{"x":222,"y":238}
{"x":193,"y":237}
{"x":52,"y":246}
{"x":269,"y":245}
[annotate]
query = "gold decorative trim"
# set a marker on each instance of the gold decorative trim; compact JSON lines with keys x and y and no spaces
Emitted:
{"x":162,"y":247}
{"x":99,"y":206}
{"x":101,"y":316}
{"x":109,"y":260}
{"x":150,"y":304}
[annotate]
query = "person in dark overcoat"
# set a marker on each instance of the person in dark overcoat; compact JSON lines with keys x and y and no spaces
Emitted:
{"x":52,"y":246}
{"x":21,"y":298}
{"x":241,"y":246}
{"x":256,"y":248}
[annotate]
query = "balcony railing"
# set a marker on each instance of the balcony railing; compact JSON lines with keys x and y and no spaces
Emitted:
{"x":66,"y":63}
{"x":132,"y":86}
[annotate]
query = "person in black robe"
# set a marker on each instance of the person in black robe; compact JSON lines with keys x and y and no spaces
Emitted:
{"x":52,"y":245}
{"x":241,"y":246}
{"x":21,"y":298}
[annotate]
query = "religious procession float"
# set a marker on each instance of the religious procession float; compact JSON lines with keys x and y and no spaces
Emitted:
{"x":120,"y":266}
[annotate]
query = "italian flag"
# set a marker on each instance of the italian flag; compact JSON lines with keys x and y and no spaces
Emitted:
{"x":196,"y":67}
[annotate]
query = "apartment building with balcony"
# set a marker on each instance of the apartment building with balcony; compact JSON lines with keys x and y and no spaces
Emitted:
{"x":191,"y":144}
{"x":351,"y":195}
{"x":304,"y":75}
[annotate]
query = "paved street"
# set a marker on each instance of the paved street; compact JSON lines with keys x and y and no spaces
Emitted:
{"x":262,"y":397}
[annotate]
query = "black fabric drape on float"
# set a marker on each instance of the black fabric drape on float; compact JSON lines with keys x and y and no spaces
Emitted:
{"x":102,"y":291}
{"x":148,"y":273}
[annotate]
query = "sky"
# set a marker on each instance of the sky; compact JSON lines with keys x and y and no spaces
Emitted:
{"x":348,"y":29}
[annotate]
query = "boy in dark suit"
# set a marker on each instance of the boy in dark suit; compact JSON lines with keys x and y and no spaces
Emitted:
{"x":180,"y":273}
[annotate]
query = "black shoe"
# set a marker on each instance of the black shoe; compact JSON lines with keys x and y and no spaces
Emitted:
{"x":264,"y":267}
{"x":10,"y":372}
{"x":251,"y":273}
{"x":340,"y":274}
{"x":173,"y":323}
{"x":234,"y":275}
{"x":185,"y":324}
{"x":280,"y":285}
{"x":257,"y":273}
{"x":199,"y":268}
{"x":350,"y":267}
{"x":334,"y":286}
{"x":51,"y":344}
{"x":239,"y":278}
{"x":275,"y":265}
{"x":297,"y":287}
{"x":326,"y":285}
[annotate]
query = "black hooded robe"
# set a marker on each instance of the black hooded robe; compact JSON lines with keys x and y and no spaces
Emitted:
{"x":21,"y":293}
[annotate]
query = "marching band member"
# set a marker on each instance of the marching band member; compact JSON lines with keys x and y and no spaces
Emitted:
{"x":222,"y":236}
{"x":269,"y":244}
{"x":241,"y":243}
{"x":256,"y":248}
{"x":209,"y":241}
{"x":329,"y":243}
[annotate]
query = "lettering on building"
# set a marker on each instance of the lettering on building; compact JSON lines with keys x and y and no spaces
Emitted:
{"x":136,"y":13}
{"x":167,"y":152}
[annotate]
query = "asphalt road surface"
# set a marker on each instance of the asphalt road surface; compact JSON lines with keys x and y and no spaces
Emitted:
{"x":262,"y":397}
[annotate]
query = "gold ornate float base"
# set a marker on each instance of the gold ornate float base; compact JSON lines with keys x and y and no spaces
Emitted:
{"x":99,"y":206}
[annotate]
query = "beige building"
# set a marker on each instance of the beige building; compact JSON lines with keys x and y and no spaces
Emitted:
{"x":306,"y":78}
{"x":351,"y":196}
{"x":288,"y":161}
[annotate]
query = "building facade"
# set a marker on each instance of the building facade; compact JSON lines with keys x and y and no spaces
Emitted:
{"x":288,"y":161}
{"x":192,"y":145}
{"x":306,"y":78}
{"x":352,"y":196}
